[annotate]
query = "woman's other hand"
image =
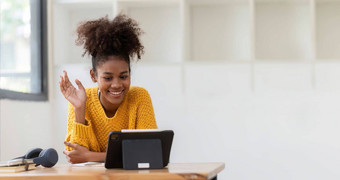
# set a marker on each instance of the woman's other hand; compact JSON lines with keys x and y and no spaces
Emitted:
{"x":79,"y":154}
{"x":77,"y":97}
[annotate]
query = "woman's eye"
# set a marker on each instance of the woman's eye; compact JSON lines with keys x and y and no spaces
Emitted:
{"x":107,"y":78}
{"x":124,"y":77}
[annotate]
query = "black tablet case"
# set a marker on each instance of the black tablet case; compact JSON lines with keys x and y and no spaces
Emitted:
{"x":114,"y":153}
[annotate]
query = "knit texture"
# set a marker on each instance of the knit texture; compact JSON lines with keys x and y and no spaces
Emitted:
{"x":135,"y":112}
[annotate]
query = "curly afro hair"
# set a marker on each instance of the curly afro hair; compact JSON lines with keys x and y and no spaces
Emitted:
{"x":103,"y":37}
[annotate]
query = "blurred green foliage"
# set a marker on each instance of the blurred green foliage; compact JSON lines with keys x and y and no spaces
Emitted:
{"x":11,"y":16}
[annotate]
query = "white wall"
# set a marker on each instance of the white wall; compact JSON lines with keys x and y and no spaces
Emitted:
{"x":24,"y":125}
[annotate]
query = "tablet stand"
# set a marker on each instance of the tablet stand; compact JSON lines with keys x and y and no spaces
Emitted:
{"x":142,"y":154}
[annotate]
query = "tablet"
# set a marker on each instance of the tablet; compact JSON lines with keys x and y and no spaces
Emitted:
{"x":114,"y":147}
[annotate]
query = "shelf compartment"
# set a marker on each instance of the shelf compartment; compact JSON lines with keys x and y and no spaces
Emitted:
{"x":327,"y":29}
{"x":283,"y":30}
{"x":219,"y":30}
{"x":160,"y":20}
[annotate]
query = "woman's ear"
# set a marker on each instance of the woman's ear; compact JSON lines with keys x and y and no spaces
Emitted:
{"x":93,"y":76}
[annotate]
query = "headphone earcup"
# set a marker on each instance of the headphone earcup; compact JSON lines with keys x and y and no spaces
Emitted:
{"x":33,"y":153}
{"x":47,"y":158}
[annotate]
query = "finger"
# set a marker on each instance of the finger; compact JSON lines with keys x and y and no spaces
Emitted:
{"x":66,"y":152}
{"x":80,"y":85}
{"x":72,"y":145}
{"x":64,"y":74}
{"x":61,"y":81}
{"x":61,"y":84}
{"x":63,"y":88}
{"x":67,"y":80}
{"x":68,"y":159}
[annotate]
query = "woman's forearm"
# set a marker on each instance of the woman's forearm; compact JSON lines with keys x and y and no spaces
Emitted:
{"x":96,"y":156}
{"x":80,"y":115}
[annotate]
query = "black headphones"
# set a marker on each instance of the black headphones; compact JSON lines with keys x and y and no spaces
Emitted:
{"x":47,"y":157}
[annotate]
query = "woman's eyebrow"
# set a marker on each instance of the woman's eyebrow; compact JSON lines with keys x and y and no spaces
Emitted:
{"x":107,"y":73}
{"x":113,"y":73}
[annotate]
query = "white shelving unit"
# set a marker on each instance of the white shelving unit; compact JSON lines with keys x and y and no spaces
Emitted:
{"x":179,"y":31}
{"x":213,"y":32}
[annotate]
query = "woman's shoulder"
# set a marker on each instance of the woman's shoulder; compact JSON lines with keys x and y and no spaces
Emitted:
{"x":135,"y":90}
{"x":138,"y":93}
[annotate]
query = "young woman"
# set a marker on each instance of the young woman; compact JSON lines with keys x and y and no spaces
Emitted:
{"x":113,"y":105}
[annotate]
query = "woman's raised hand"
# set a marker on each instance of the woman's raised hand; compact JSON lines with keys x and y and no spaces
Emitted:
{"x":77,"y":97}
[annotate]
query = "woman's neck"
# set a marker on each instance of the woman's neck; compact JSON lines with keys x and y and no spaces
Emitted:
{"x":109,"y":109}
{"x":109,"y":113}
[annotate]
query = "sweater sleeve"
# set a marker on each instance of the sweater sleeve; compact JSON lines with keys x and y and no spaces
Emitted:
{"x":79,"y":133}
{"x":145,"y":113}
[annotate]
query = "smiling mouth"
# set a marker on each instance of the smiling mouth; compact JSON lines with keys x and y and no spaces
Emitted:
{"x":116,"y":93}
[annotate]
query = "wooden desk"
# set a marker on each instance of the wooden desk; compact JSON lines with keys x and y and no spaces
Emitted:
{"x":174,"y":171}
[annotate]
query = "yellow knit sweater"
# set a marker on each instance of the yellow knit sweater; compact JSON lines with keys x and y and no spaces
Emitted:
{"x":135,"y":112}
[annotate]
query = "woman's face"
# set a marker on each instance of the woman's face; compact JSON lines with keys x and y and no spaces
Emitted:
{"x":113,"y":78}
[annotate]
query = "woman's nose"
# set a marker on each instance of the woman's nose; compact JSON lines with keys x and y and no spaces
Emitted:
{"x":116,"y":83}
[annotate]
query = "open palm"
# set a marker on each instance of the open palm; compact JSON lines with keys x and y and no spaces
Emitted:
{"x":77,"y":97}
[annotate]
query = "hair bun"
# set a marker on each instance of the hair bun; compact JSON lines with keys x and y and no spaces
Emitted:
{"x":103,"y":37}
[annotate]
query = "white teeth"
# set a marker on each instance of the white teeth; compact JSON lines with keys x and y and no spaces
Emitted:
{"x":116,"y":93}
